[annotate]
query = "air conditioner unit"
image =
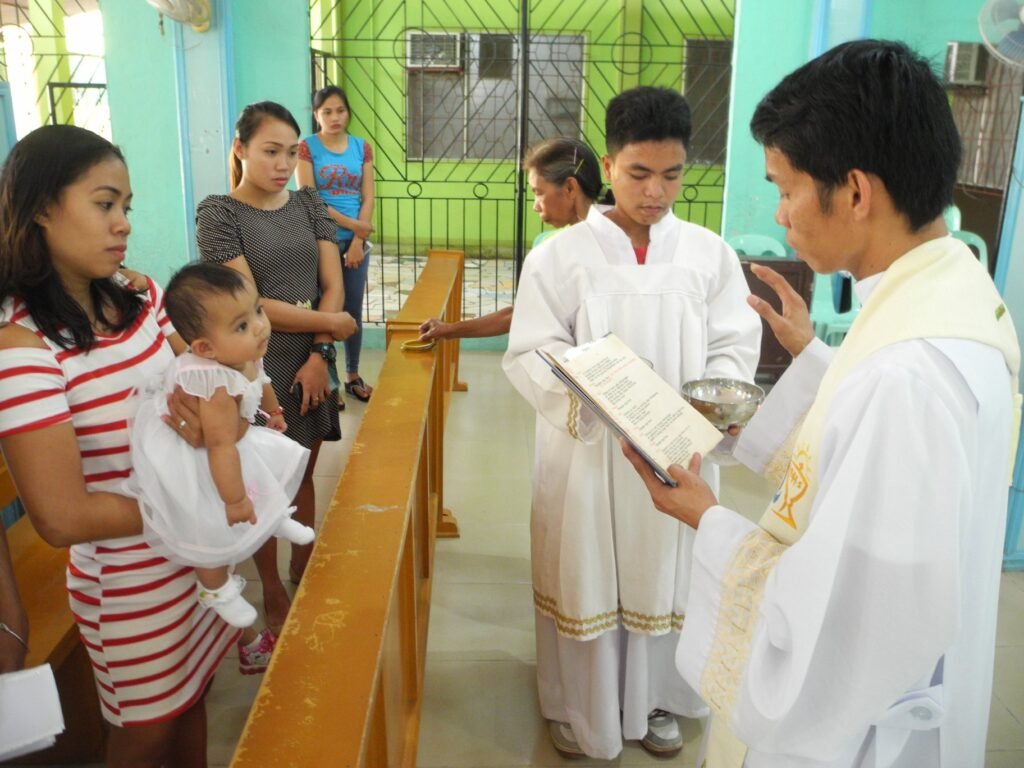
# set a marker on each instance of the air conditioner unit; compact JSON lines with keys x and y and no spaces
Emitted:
{"x":966,"y":65}
{"x":434,"y":51}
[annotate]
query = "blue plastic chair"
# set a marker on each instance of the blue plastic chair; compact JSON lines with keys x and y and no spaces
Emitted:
{"x":829,"y":325}
{"x":952,"y":217}
{"x":973,"y":241}
{"x":757,"y":246}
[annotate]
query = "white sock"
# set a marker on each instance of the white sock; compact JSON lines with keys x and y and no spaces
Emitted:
{"x":228,"y":602}
{"x":295,"y":532}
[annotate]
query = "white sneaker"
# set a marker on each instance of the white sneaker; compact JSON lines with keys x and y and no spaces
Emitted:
{"x":564,"y":740}
{"x":663,"y":738}
{"x":295,"y":532}
{"x":228,"y":602}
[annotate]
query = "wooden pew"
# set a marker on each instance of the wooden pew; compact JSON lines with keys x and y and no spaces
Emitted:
{"x":345,"y":684}
{"x":53,"y":638}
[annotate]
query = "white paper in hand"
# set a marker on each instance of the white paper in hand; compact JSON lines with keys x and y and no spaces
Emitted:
{"x":30,"y":716}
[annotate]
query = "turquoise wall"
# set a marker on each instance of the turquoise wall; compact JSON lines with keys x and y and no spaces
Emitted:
{"x":270,"y":49}
{"x":1010,"y":279}
{"x":927,"y":25}
{"x":141,"y":90}
{"x":265,"y":44}
{"x":772,"y":38}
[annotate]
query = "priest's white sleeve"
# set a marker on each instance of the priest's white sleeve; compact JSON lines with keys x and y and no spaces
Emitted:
{"x":542,"y":320}
{"x":769,"y":434}
{"x":861,"y":608}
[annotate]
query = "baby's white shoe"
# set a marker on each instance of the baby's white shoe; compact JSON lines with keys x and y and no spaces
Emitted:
{"x":228,"y":602}
{"x":295,"y":532}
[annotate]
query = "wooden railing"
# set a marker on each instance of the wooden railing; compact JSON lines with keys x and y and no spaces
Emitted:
{"x":345,"y":684}
{"x":39,"y":571}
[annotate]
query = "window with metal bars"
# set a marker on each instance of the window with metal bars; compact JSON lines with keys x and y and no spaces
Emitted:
{"x":471,"y":112}
{"x":52,"y":57}
{"x":707,"y":72}
{"x":987,"y":119}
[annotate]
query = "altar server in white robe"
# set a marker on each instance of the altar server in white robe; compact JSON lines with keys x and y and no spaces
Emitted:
{"x":610,"y":575}
{"x":855,"y":624}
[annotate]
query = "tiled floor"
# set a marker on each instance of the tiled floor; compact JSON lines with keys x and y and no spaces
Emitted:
{"x":480,"y":707}
{"x":487,"y":285}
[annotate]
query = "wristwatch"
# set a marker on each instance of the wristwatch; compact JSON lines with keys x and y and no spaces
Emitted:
{"x":325,"y":350}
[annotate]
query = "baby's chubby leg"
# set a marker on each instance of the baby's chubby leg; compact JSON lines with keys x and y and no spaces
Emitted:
{"x":222,"y":591}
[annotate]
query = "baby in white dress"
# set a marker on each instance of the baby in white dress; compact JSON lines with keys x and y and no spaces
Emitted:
{"x":214,"y":506}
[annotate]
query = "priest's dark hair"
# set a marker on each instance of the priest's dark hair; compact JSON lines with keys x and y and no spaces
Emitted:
{"x":871,"y":105}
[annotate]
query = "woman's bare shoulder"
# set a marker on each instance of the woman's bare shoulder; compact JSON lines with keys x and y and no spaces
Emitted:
{"x":13,"y":335}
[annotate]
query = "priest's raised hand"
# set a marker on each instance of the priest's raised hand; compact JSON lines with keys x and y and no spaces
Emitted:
{"x":793,"y":326}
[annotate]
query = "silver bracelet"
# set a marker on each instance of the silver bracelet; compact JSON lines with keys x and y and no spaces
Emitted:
{"x":4,"y":627}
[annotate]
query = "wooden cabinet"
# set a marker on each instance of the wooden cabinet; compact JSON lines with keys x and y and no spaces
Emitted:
{"x":775,"y":359}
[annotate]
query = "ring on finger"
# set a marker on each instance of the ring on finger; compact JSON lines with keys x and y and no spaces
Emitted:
{"x":182,"y":424}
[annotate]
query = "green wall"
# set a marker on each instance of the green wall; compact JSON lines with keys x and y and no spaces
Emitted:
{"x":141,"y":89}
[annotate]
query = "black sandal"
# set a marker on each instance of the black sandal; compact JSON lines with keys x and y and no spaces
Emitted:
{"x":359,"y":389}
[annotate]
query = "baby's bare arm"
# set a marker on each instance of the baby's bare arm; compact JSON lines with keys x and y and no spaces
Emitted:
{"x":219,"y":417}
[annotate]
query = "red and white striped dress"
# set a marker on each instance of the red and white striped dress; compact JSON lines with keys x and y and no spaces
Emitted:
{"x":153,"y":648}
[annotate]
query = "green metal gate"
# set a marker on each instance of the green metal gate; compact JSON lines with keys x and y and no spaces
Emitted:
{"x":451,"y":92}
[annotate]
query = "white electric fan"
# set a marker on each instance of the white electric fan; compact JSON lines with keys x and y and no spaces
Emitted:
{"x":1002,"y":29}
{"x":197,"y":13}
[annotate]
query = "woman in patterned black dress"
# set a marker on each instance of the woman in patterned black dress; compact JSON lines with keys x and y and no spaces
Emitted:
{"x":283,"y":241}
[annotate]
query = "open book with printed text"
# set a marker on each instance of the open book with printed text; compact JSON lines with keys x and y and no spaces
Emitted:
{"x":623,"y":390}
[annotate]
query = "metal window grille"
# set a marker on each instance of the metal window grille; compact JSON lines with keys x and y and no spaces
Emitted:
{"x":51,"y":82}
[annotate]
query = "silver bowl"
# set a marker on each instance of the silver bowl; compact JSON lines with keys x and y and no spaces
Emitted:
{"x":724,"y":402}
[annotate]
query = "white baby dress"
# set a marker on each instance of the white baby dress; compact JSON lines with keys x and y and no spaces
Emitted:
{"x":182,"y":513}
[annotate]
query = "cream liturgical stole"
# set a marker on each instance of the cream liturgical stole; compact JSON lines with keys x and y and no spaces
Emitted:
{"x":938,"y":290}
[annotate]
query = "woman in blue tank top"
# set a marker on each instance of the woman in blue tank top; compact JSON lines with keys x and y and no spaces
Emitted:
{"x":340,"y":167}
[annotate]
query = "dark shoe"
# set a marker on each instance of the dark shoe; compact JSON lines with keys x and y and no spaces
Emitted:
{"x":359,"y":389}
{"x":341,"y":403}
{"x":663,"y":738}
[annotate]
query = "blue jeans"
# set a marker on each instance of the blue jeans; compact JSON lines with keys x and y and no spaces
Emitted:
{"x":354,"y":280}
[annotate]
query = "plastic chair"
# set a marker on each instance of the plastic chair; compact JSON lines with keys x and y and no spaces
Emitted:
{"x":973,"y":241}
{"x":757,"y":246}
{"x":952,"y":217}
{"x":829,"y":325}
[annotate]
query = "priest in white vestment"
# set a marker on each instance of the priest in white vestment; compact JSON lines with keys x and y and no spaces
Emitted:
{"x":854,"y":625}
{"x":610,"y":575}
